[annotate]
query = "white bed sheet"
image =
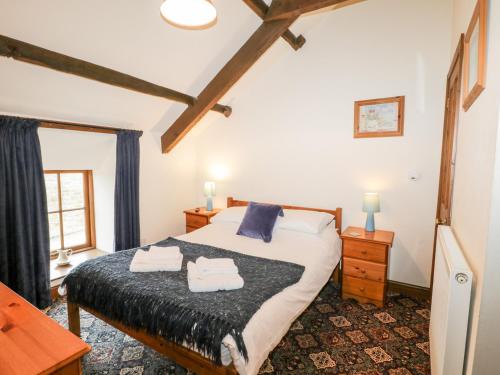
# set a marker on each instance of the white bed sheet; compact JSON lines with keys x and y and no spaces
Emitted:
{"x":318,"y":253}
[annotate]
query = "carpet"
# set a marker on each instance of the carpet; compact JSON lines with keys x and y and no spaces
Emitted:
{"x":331,"y":337}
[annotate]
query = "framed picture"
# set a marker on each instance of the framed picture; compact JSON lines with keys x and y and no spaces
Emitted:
{"x":379,"y":117}
{"x":475,"y":55}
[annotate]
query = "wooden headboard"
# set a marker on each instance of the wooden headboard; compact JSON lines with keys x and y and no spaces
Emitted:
{"x":337,"y":212}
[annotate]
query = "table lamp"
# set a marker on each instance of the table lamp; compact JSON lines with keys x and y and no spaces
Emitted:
{"x":210,"y":193}
{"x":371,"y":204}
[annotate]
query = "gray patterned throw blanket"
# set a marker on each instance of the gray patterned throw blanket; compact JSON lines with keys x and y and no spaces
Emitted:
{"x":162,"y":304}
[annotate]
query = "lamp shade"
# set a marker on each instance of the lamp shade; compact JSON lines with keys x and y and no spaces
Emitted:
{"x":371,"y":202}
{"x":209,"y":189}
{"x":189,"y":14}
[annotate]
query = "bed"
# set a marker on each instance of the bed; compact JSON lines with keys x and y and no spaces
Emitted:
{"x":272,"y":320}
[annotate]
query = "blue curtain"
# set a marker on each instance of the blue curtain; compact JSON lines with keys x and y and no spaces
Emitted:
{"x":127,"y":227}
{"x":24,"y":226}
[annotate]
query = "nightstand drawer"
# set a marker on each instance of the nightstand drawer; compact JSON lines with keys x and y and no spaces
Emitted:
{"x":373,"y":252}
{"x":196,"y":221}
{"x":364,"y":288}
{"x":364,"y":270}
{"x":191,"y":229}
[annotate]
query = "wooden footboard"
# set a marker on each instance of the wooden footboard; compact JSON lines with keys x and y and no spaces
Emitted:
{"x":182,"y":356}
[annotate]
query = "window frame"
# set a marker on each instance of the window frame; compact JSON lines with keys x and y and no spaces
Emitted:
{"x":88,"y":208}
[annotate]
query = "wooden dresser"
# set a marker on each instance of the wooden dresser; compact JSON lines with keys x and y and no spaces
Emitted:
{"x":364,"y":264}
{"x":196,"y":220}
{"x":32,"y":343}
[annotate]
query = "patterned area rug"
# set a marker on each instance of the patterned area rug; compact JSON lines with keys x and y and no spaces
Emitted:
{"x":331,"y":337}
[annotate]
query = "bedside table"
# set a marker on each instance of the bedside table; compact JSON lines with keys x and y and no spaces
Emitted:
{"x":196,"y":220}
{"x":364,"y":264}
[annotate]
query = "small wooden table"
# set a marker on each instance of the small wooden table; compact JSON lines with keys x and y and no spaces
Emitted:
{"x":365,"y":260}
{"x":198,"y":219}
{"x":33,"y":343}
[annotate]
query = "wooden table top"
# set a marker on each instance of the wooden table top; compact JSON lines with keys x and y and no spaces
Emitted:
{"x":379,"y":236}
{"x":30,"y":341}
{"x":203,"y":212}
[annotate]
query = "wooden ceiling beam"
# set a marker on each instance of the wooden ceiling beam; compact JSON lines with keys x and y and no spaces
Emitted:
{"x":281,"y":9}
{"x":32,"y":54}
{"x":261,"y":8}
{"x":247,"y":55}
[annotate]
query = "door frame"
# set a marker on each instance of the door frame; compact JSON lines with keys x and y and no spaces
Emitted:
{"x":456,"y":63}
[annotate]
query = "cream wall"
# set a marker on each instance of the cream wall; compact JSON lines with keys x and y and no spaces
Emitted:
{"x":81,"y":150}
{"x":290,"y":138}
{"x":166,"y":183}
{"x":131,"y":37}
{"x":472,"y":211}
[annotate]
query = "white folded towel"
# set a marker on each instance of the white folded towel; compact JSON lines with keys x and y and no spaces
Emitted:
{"x":217,"y":266}
{"x":159,"y":252}
{"x":143,"y":261}
{"x":211,"y":283}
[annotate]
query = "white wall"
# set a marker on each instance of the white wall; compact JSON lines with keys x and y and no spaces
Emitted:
{"x":472,"y":208}
{"x":290,"y":138}
{"x":129,"y":36}
{"x":167,"y":184}
{"x":81,"y":150}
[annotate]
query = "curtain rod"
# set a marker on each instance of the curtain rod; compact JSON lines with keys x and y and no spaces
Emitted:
{"x":49,"y":124}
{"x":66,"y":125}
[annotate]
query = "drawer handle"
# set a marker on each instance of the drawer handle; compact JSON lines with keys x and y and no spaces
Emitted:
{"x":361,"y":289}
{"x":363,"y":271}
{"x":364,"y":252}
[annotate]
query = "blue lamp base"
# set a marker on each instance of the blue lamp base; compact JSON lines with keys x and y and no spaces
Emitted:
{"x":370,"y":222}
{"x":210,"y":204}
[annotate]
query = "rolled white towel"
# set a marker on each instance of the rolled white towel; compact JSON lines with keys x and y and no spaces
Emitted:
{"x":212,"y":283}
{"x":216,"y":266}
{"x":142,"y":262}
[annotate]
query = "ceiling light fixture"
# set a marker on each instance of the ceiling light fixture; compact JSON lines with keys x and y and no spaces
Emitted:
{"x":189,"y":14}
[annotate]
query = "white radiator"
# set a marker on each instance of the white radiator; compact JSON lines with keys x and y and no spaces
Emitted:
{"x":450,"y":305}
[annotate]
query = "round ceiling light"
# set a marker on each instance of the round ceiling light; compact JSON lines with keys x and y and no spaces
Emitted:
{"x":189,"y":14}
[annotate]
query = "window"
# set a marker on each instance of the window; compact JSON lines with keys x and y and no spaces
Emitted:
{"x":71,"y":209}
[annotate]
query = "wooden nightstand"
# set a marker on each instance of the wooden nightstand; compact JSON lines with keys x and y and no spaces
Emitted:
{"x":196,"y":220}
{"x":364,"y":264}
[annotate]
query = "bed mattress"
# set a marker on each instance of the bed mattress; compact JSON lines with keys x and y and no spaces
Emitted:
{"x":319,"y":254}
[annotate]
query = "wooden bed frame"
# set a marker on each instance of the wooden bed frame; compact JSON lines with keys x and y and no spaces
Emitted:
{"x":183,"y":356}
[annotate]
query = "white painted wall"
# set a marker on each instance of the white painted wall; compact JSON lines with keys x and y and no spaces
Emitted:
{"x":80,"y":150}
{"x":473,"y":215}
{"x":290,"y":138}
{"x":129,"y":36}
{"x":167,"y":184}
{"x":488,"y":329}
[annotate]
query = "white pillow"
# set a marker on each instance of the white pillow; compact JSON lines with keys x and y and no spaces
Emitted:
{"x":230,"y":215}
{"x":304,"y":221}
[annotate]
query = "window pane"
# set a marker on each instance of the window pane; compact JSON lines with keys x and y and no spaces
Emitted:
{"x":55,"y":232}
{"x":74,"y":228}
{"x":72,"y":190}
{"x":52,"y":193}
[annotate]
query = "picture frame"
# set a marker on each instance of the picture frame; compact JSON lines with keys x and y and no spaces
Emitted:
{"x":379,"y":117}
{"x":474,"y":78}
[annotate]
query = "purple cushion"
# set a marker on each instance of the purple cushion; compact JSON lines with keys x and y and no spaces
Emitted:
{"x":259,"y":221}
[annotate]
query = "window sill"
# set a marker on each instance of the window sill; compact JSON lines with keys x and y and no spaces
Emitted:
{"x":57,"y":273}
